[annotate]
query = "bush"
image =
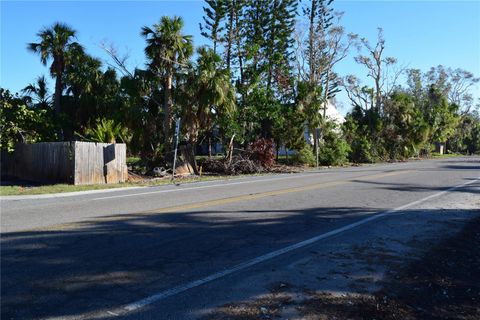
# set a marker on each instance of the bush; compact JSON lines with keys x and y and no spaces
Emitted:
{"x":361,"y":150}
{"x":334,"y":150}
{"x":305,"y":156}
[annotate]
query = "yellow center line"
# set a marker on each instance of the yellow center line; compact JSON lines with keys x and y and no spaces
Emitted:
{"x":212,"y":203}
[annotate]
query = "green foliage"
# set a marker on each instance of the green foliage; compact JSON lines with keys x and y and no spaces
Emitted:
{"x":19,"y":123}
{"x":334,"y":150}
{"x":362,"y":151}
{"x":441,"y":116}
{"x":107,"y":131}
{"x":305,"y":156}
{"x":245,"y":88}
{"x":212,"y":27}
{"x":56,"y":44}
{"x":168,"y":52}
{"x":466,"y":138}
{"x":405,"y":131}
{"x":357,"y":136}
{"x":290,"y":130}
{"x":309,"y":100}
{"x":208,"y":95}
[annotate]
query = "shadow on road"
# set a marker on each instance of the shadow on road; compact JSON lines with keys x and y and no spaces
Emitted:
{"x":106,"y":264}
{"x":395,"y":186}
{"x":111,"y":261}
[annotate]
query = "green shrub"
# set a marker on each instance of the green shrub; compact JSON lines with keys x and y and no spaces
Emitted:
{"x":334,"y":149}
{"x":305,"y":156}
{"x":361,"y":150}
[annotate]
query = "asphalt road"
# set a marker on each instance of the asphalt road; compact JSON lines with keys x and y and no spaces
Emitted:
{"x":173,"y":252}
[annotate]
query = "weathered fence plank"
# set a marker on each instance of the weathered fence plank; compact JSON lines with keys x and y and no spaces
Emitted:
{"x":67,"y":162}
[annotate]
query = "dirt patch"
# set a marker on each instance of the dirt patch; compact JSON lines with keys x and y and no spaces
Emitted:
{"x":326,"y":306}
{"x":269,"y":306}
{"x":443,"y":284}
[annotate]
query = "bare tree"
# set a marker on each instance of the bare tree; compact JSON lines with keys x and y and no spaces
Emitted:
{"x":379,"y":68}
{"x":119,"y":62}
{"x":456,"y":84}
{"x":337,"y":47}
{"x":360,"y":96}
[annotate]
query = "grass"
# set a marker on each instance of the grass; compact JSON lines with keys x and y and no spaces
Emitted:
{"x":54,"y":188}
{"x":445,"y":155}
{"x":61,"y":188}
{"x":132,"y":160}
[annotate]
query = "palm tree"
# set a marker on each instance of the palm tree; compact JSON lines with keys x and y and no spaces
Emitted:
{"x":167,"y":50}
{"x":55,"y":43}
{"x":37,"y":92}
{"x":205,"y":94}
{"x":215,"y":93}
{"x":82,"y":74}
{"x":212,"y":94}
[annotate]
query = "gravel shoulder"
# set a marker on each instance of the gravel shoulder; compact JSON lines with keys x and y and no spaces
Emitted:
{"x":423,"y":263}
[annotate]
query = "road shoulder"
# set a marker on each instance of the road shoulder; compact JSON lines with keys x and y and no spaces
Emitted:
{"x":383,"y":270}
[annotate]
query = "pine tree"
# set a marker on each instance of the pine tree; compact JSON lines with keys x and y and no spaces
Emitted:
{"x":213,"y":26}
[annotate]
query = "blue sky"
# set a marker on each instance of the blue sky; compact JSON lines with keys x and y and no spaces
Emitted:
{"x":420,"y":34}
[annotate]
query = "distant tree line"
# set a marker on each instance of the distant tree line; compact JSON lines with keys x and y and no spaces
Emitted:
{"x":267,"y":76}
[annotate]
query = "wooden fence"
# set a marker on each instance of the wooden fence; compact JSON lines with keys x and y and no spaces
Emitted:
{"x":67,"y":162}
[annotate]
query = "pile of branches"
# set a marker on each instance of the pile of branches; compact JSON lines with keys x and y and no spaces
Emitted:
{"x":259,"y":157}
{"x":238,"y":164}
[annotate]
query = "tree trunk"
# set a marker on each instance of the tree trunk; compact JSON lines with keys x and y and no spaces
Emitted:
{"x":186,"y":163}
{"x":57,"y":98}
{"x":230,"y":150}
{"x":209,"y":145}
{"x":311,"y":38}
{"x":231,"y":19}
{"x":167,"y":105}
{"x":325,"y":102}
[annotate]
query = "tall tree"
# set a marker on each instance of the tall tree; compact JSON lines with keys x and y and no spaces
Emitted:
{"x":320,"y":17}
{"x":377,"y":68}
{"x":210,"y":95}
{"x":456,"y":84}
{"x":336,"y":49}
{"x":212,"y":26}
{"x":54,"y":44}
{"x":167,"y":50}
{"x":440,"y":115}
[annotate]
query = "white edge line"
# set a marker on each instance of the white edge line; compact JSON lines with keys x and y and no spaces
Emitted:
{"x":242,"y":266}
{"x":201,"y":187}
{"x":282,"y":177}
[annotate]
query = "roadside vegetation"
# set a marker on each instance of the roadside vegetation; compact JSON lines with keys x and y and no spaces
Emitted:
{"x":262,"y":85}
{"x":29,"y":188}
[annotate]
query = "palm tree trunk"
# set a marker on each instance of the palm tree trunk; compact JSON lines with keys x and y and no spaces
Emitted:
{"x":167,"y":105}
{"x":56,"y":100}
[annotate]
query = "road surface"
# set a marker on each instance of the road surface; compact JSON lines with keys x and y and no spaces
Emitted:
{"x":176,"y":252}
